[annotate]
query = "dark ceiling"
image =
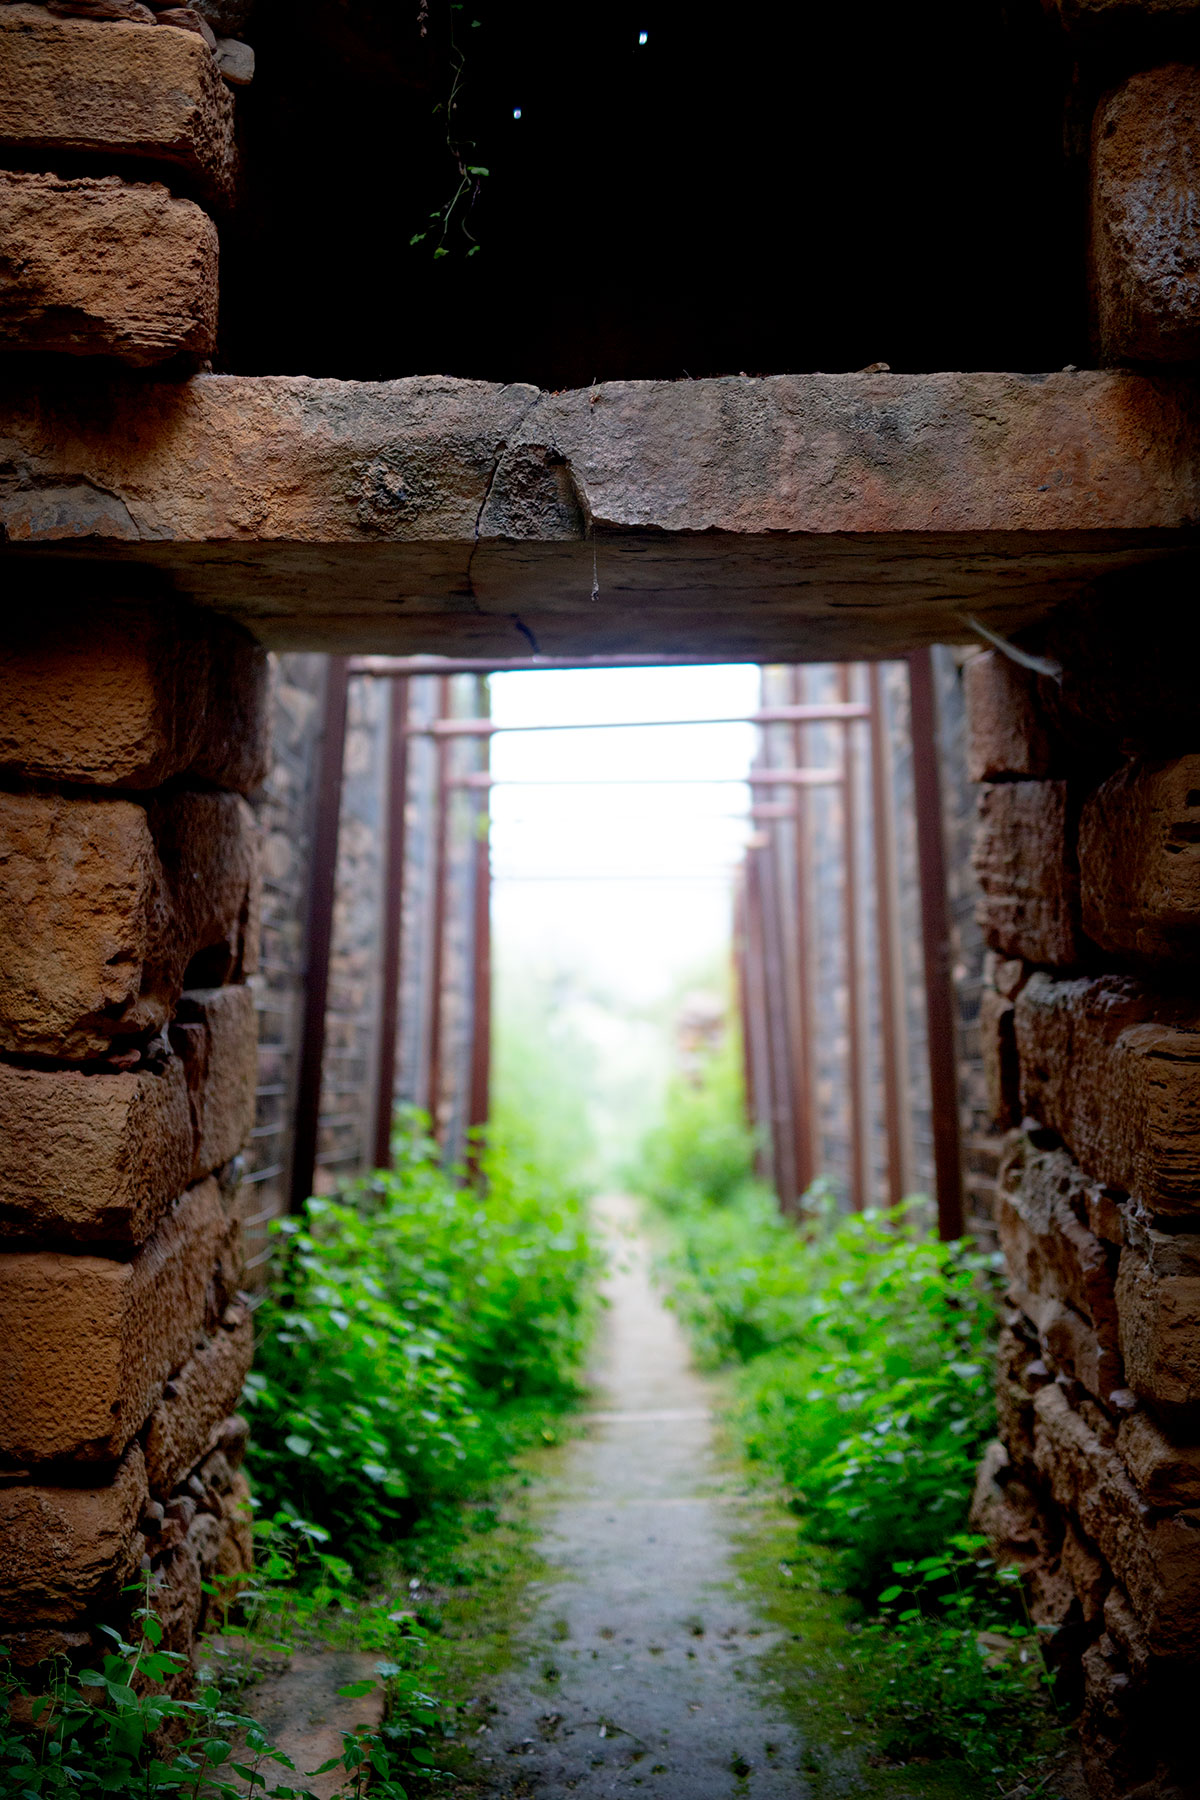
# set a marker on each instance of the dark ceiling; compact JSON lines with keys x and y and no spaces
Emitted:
{"x":781,"y":187}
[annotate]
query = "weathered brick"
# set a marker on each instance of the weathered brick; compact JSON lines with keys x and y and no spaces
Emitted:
{"x":187,"y":1419}
{"x":1115,"y":1069}
{"x":1165,"y":1473}
{"x":1025,"y":865}
{"x":1156,"y":1560}
{"x":1145,"y":230}
{"x":216,"y":1035}
{"x":998,"y":1048}
{"x":126,"y":694}
{"x":65,"y":1549}
{"x":97,"y":266}
{"x":1008,"y":731}
{"x":105,"y":907}
{"x":1158,"y":1299}
{"x":91,"y":1158}
{"x":1139,"y":860}
{"x":115,"y":91}
{"x":1049,"y":1250}
{"x":88,"y":1342}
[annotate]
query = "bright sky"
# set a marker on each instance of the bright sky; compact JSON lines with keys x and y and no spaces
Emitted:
{"x":640,"y":884}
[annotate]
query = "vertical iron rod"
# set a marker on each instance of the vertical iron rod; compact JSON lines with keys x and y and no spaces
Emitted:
{"x":742,"y":994}
{"x":319,"y":933}
{"x":756,"y":1013}
{"x":935,"y":938}
{"x":393,"y":918}
{"x":850,"y":881}
{"x":775,"y":985}
{"x":438,"y":945}
{"x":885,"y":877}
{"x":479,"y":1107}
{"x":802,"y":1055}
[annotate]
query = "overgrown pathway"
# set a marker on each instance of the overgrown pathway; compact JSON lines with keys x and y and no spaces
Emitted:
{"x":638,"y":1668}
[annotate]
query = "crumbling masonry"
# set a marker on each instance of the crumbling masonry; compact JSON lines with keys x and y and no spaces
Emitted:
{"x":162,"y":524}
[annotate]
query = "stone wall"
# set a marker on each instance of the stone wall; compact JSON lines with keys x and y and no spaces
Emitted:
{"x":1087,"y":857}
{"x":130,"y":736}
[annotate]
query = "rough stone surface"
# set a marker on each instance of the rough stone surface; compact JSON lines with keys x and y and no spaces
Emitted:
{"x":1160,"y":1333}
{"x":116,"y":91}
{"x":998,"y":1047}
{"x":105,"y":906}
{"x":1139,"y":860}
{"x":203,"y":1394}
{"x":64,"y":1549}
{"x":856,"y":513}
{"x":216,"y":1035}
{"x":1157,"y":1561}
{"x":129,"y":694}
{"x":1115,"y":1069}
{"x":88,"y":1342}
{"x":235,"y":61}
{"x":91,"y":1158}
{"x":105,"y":268}
{"x":1165,"y":1473}
{"x":1009,"y":733}
{"x":1050,"y":1252}
{"x":1025,"y":865}
{"x":1145,"y":218}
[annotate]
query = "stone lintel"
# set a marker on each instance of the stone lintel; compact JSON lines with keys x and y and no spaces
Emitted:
{"x":829,"y":515}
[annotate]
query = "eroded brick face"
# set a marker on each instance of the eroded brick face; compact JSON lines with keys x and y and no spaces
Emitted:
{"x":128,"y":738}
{"x":1092,"y":1033}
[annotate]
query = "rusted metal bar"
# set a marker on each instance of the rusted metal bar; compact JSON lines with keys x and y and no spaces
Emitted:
{"x":800,"y":778}
{"x":832,"y":713}
{"x":935,"y":938}
{"x":437,"y":948}
{"x":319,"y":930}
{"x":850,"y":934}
{"x":885,"y":895}
{"x":778,"y":1046}
{"x":479,"y":1107}
{"x":500,"y":665}
{"x":393,"y":919}
{"x":742,"y":998}
{"x":804,"y":1014}
{"x":756,"y":1013}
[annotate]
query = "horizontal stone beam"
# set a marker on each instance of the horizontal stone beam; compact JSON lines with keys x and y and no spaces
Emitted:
{"x":789,"y":515}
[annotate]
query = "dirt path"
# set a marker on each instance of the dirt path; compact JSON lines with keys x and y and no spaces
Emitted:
{"x":638,"y":1668}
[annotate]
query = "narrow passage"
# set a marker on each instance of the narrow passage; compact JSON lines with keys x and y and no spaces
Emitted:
{"x":638,"y":1668}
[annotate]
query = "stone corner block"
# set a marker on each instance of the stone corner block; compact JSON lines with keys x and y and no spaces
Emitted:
{"x":99,"y":267}
{"x":66,"y":1549}
{"x":1024,"y":862}
{"x":1139,"y":860}
{"x":116,"y":90}
{"x":91,"y":1158}
{"x":1145,"y":231}
{"x":130,"y":694}
{"x":197,"y":1402}
{"x":216,"y":1035}
{"x":1008,"y":733}
{"x":89,"y":1342}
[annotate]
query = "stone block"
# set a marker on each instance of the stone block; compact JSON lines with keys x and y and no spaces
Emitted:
{"x":100,"y":267}
{"x":105,"y":909}
{"x":998,"y":1047}
{"x":88,"y":1343}
{"x":91,"y":1158}
{"x":1114,"y":1069}
{"x":1160,"y":1330}
{"x":199,"y":1399}
{"x":1165,"y":1473}
{"x":216,"y":1035}
{"x":1025,"y":864}
{"x":1156,"y":1560}
{"x":64,"y":1550}
{"x":116,"y":91}
{"x":1050,"y":1252}
{"x":1139,"y":860}
{"x":1145,"y":226}
{"x":1008,"y":731}
{"x":132,"y":695}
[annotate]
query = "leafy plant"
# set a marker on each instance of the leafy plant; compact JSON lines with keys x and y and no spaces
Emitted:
{"x":417,"y":1333}
{"x":702,"y":1154}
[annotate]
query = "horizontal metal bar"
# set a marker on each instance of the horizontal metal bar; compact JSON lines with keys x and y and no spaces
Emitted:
{"x":794,"y":777}
{"x":500,"y":665}
{"x":838,"y":712}
{"x":262,"y":1174}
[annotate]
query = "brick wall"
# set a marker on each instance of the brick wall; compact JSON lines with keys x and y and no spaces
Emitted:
{"x":130,"y":736}
{"x":1088,"y":848}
